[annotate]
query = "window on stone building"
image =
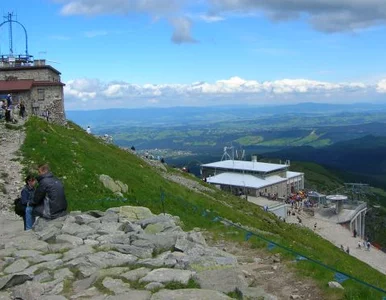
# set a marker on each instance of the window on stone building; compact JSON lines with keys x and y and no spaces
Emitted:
{"x":41,"y":94}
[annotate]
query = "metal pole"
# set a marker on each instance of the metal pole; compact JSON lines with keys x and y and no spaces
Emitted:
{"x":10,"y":34}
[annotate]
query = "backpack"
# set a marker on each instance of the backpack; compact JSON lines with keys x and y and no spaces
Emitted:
{"x":19,"y":207}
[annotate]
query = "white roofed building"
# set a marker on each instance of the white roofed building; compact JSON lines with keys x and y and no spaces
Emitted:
{"x":253,"y":178}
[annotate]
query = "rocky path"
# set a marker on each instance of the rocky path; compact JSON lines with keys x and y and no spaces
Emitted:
{"x":125,"y":253}
{"x":11,"y":180}
{"x":338,"y":235}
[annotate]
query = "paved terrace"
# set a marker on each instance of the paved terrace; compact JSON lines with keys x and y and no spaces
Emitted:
{"x":335,"y":233}
{"x":338,"y":235}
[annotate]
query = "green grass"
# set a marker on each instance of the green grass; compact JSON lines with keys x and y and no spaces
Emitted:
{"x":78,"y":159}
{"x":317,"y":177}
{"x":249,"y":140}
{"x":175,"y":285}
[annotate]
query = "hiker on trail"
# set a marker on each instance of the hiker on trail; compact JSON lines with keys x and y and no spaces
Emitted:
{"x":315,"y":226}
{"x":359,"y":244}
{"x":22,"y":110}
{"x":341,"y":247}
{"x":9,"y":101}
{"x":49,"y":200}
{"x":355,"y":233}
{"x":7,"y":109}
{"x":348,"y":250}
{"x":27,"y":195}
{"x":368,"y":245}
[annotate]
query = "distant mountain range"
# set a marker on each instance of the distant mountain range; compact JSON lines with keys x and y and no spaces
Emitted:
{"x":184,"y":115}
{"x":359,"y":160}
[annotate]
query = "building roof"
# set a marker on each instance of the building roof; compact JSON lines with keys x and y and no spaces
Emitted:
{"x":5,"y":69}
{"x":244,"y":180}
{"x":15,"y":85}
{"x":245,"y":165}
{"x":48,"y":83}
{"x":291,"y":174}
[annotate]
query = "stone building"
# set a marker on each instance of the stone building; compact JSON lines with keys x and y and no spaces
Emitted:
{"x":38,"y":85}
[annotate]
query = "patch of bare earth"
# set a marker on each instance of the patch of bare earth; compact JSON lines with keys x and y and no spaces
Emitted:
{"x":268,"y":271}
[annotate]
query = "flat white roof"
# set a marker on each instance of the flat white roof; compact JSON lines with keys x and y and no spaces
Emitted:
{"x":244,"y":180}
{"x":246,"y":165}
{"x":291,"y":174}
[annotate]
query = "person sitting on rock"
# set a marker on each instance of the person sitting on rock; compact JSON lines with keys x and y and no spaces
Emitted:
{"x":49,"y":200}
{"x":27,"y":195}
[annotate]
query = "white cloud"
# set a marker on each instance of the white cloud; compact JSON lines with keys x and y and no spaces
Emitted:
{"x":157,"y":9}
{"x":211,"y":18}
{"x":323,"y":15}
{"x":121,"y":7}
{"x":381,"y":86}
{"x":234,"y":90}
{"x":182,"y":30}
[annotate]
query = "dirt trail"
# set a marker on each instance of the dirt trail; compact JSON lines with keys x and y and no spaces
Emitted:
{"x":11,"y":180}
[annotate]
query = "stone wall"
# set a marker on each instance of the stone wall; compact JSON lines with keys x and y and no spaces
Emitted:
{"x":37,"y":74}
{"x":53,"y":102}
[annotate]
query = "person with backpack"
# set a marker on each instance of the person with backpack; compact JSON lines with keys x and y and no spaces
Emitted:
{"x":49,"y":200}
{"x":27,"y":196}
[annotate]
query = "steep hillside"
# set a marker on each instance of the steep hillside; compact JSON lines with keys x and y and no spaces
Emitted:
{"x":79,"y":159}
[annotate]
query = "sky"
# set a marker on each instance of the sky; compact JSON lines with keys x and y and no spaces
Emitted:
{"x":162,"y":53}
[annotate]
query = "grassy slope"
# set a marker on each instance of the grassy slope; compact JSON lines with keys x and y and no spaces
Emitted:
{"x":79,"y":158}
{"x":317,"y":177}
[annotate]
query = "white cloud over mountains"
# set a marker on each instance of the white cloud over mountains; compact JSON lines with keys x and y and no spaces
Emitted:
{"x":94,"y":94}
{"x":381,"y":86}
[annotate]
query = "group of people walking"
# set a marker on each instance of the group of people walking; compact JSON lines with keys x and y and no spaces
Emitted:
{"x":42,"y":196}
{"x":7,"y":109}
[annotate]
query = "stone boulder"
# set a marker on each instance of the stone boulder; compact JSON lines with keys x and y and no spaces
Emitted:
{"x":335,"y":285}
{"x":189,"y":294}
{"x":134,"y":213}
{"x":223,"y":280}
{"x":164,"y":275}
{"x":123,"y":186}
{"x":109,"y":183}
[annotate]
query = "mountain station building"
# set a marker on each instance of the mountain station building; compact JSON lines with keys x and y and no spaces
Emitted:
{"x":253,"y":178}
{"x":37,"y":85}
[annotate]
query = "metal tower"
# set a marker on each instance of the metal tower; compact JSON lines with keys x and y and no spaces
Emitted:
{"x":13,"y":59}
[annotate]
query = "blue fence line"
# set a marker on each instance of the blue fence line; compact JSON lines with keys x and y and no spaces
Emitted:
{"x":338,"y":276}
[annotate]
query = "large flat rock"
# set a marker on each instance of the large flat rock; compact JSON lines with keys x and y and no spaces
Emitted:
{"x":223,"y":280}
{"x":186,"y":294}
{"x":165,"y":275}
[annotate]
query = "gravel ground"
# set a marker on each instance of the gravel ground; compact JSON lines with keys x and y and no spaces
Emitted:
{"x":11,"y":180}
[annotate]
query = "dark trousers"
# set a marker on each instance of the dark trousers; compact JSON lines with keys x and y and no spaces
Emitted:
{"x":24,"y":222}
{"x":8,"y":115}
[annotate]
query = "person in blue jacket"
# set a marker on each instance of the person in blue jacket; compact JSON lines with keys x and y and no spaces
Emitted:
{"x":27,"y":196}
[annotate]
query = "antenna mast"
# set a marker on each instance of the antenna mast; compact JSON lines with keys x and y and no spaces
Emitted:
{"x":11,"y":59}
